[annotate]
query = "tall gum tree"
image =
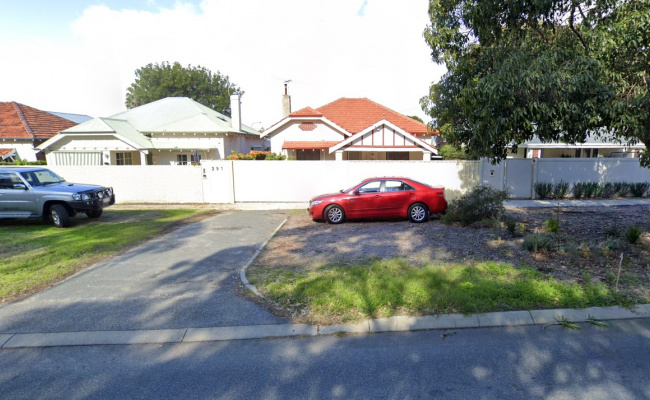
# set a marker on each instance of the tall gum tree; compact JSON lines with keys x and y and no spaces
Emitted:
{"x":157,"y":81}
{"x":556,"y":69}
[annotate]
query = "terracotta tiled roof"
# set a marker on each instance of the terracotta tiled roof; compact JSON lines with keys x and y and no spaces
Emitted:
{"x":318,"y":145}
{"x":306,"y":112}
{"x":4,"y":152}
{"x":21,"y":121}
{"x":355,"y":115}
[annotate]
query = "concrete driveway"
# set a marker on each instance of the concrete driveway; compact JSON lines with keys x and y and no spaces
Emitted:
{"x":186,"y":278}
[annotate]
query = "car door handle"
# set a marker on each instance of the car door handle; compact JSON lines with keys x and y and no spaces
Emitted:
{"x":376,"y":196}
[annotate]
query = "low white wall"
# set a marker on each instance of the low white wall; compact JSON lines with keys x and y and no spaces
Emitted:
{"x":573,"y":170}
{"x":298,"y":181}
{"x":141,"y":184}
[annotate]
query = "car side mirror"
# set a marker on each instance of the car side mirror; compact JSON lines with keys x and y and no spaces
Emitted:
{"x":20,"y":186}
{"x":356,"y":192}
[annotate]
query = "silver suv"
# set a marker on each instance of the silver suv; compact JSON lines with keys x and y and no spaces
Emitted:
{"x":36,"y":192}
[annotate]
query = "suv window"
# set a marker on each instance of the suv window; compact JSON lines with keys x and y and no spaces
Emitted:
{"x":41,"y":178}
{"x":7,"y":180}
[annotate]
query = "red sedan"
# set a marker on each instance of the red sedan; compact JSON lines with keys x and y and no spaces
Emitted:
{"x":380,"y":198}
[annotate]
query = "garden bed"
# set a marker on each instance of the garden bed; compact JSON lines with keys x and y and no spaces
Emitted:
{"x":587,"y":251}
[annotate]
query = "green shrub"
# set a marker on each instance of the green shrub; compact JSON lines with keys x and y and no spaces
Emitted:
{"x":539,"y":242}
{"x":479,"y":204}
{"x":591,"y":189}
{"x":560,"y":190}
{"x":606,"y":190}
{"x":622,"y":188}
{"x":552,"y":224}
{"x":511,"y":225}
{"x":544,"y":190}
{"x":23,"y":162}
{"x":579,"y":190}
{"x":633,"y":234}
{"x":451,"y":152}
{"x":638,"y":189}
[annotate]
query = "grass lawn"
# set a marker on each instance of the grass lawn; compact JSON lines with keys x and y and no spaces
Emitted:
{"x":34,"y":255}
{"x":381,"y":288}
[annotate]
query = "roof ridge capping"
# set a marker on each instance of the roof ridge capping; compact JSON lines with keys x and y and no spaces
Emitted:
{"x":23,"y":119}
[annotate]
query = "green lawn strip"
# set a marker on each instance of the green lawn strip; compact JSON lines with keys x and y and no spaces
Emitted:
{"x":381,"y":288}
{"x":33,"y":254}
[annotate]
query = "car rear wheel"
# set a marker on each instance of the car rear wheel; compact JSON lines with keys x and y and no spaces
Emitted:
{"x":334,"y":214}
{"x":94,"y":213}
{"x":418,"y":212}
{"x":60,"y":216}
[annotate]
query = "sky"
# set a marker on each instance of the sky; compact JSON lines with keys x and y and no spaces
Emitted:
{"x":80,"y":56}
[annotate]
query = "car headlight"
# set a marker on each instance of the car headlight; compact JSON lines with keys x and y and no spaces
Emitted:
{"x":81,"y":196}
{"x":317,"y":202}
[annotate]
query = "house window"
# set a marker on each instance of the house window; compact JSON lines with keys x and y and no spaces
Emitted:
{"x":397,"y":155}
{"x":123,"y":159}
{"x":181,"y":159}
{"x":308,"y":154}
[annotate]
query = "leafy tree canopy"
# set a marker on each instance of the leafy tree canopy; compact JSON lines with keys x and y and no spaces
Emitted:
{"x":558,"y":69}
{"x":415,"y":117}
{"x":157,"y":81}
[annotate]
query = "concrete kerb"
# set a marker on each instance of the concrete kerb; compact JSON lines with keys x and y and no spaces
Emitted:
{"x":381,"y":325}
{"x":242,"y":271}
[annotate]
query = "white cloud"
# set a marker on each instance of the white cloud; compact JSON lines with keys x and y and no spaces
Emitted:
{"x":328,"y":48}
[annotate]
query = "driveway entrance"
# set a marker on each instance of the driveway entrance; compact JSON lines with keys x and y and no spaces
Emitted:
{"x":186,"y":278}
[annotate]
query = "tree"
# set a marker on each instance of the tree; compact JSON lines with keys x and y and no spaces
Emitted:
{"x":157,"y":81}
{"x":415,"y":117}
{"x":558,"y":69}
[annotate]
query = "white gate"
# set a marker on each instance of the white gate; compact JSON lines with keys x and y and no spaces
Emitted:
{"x":519,"y":178}
{"x":217,"y":182}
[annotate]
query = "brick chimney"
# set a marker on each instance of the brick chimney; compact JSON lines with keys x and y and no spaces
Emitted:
{"x":235,"y":112}
{"x":286,"y":102}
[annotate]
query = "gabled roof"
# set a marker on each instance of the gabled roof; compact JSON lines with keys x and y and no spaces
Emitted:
{"x":171,"y":114}
{"x":355,"y":115}
{"x":118,"y":128}
{"x":179,"y":114}
{"x":412,"y":138}
{"x":306,"y":112}
{"x":18,"y":121}
{"x":352,"y":116}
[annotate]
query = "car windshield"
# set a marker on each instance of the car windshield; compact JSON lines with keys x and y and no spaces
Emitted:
{"x":41,"y":177}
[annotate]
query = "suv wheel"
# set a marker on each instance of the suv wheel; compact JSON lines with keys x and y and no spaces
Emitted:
{"x":59,"y":216}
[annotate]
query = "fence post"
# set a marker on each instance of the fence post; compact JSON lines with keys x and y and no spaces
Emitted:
{"x":533,"y":181}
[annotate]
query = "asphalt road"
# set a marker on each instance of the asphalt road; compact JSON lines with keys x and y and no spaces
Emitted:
{"x":186,"y":278}
{"x":486,"y":363}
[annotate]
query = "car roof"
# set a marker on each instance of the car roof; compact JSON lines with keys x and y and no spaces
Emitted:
{"x":387,"y":177}
{"x":21,"y":168}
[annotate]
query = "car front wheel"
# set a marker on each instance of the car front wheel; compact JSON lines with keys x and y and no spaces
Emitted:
{"x":418,"y":212}
{"x":60,"y":216}
{"x":334,"y":214}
